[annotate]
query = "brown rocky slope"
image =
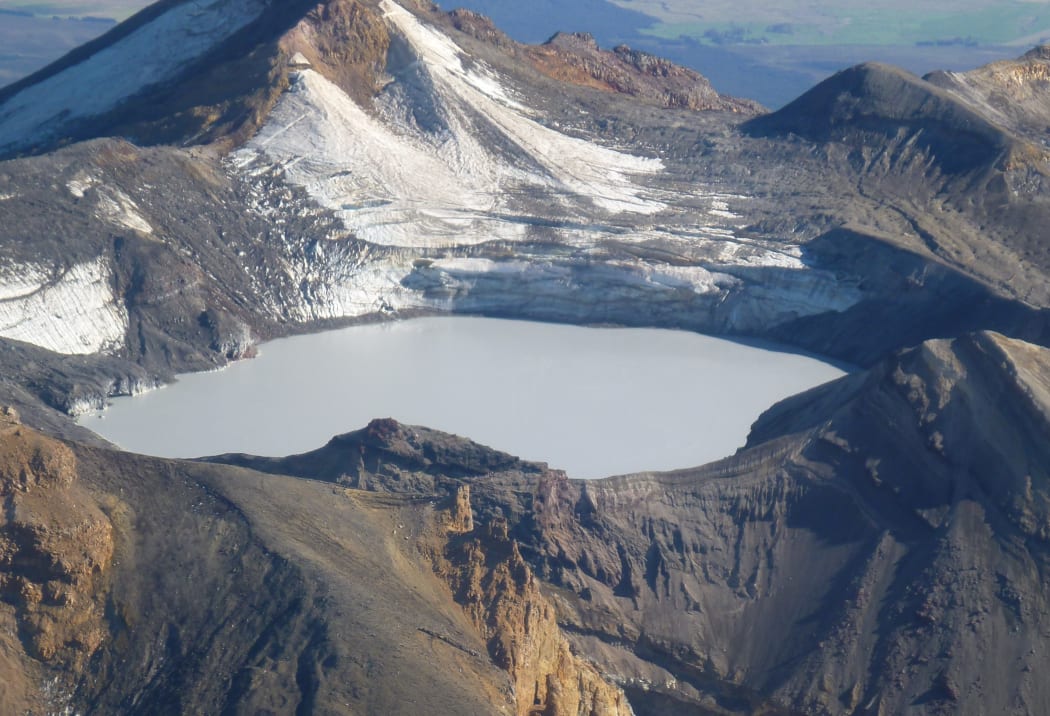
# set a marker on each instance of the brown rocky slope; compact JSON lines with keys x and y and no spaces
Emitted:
{"x":135,"y":585}
{"x":879,"y":547}
{"x":576,"y":58}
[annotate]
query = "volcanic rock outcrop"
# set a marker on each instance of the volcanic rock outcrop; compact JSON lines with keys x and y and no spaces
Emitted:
{"x":56,"y":549}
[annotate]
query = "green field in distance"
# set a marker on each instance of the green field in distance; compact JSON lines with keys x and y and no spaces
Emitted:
{"x":848,"y":22}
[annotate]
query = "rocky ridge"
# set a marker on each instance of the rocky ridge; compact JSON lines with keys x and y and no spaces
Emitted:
{"x":1011,"y":93}
{"x":96,"y":544}
{"x":577,"y":59}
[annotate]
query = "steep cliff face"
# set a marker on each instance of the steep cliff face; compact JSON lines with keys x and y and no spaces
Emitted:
{"x":56,"y":551}
{"x":500,"y":594}
{"x":347,"y":41}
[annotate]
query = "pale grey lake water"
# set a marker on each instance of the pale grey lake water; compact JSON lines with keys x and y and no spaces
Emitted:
{"x":591,"y":401}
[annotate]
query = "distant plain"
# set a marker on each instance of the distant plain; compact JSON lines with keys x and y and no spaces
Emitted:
{"x":767,"y":51}
{"x":848,"y":22}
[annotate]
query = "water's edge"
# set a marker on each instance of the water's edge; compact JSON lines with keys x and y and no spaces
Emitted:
{"x":592,"y":401}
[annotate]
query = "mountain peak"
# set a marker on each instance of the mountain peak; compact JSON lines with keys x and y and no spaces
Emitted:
{"x":180,"y":72}
{"x":883,"y":101}
{"x":573,"y":40}
{"x":1039,"y":52}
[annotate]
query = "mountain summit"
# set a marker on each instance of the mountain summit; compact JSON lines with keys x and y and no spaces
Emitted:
{"x":195,"y":72}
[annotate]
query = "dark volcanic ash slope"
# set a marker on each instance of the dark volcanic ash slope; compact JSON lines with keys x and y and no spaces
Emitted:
{"x":880,"y":546}
{"x":967,"y":182}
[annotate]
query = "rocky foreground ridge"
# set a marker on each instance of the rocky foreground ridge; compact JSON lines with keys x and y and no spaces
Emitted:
{"x":878,"y":547}
{"x":136,"y":585}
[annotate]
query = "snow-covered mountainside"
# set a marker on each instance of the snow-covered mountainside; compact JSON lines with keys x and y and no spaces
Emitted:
{"x":458,"y":184}
{"x":368,"y":158}
{"x":453,"y":180}
{"x":451,"y":164}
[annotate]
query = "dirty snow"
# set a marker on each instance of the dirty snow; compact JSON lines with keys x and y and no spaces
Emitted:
{"x":117,"y":208}
{"x":79,"y":185}
{"x":720,"y":208}
{"x":389,"y":188}
{"x":156,"y":52}
{"x":360,"y":291}
{"x":74,"y":312}
{"x":394,"y":184}
{"x":580,"y":166}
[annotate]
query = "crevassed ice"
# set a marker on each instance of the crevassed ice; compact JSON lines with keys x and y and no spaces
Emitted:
{"x":73,"y":313}
{"x":387,"y":187}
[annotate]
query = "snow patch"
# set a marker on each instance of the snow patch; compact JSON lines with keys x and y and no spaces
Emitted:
{"x":740,"y":252}
{"x":580,"y":166}
{"x":79,"y":185}
{"x":478,"y":265}
{"x":117,"y":208}
{"x":73,"y":313}
{"x":720,"y":209}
